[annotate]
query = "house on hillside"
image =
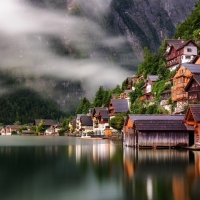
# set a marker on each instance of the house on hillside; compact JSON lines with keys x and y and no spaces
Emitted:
{"x":193,"y":89}
{"x":155,"y":131}
{"x":147,"y":88}
{"x":180,"y":79}
{"x":192,"y":118}
{"x":179,"y":51}
{"x":47,"y":123}
{"x":118,"y":106}
{"x":86,"y":124}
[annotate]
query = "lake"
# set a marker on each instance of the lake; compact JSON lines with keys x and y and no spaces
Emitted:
{"x":68,"y":168}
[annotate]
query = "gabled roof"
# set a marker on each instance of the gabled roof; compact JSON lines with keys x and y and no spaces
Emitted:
{"x":47,"y":122}
{"x":160,"y":125}
{"x":14,"y":126}
{"x":195,"y":111}
{"x":152,"y":77}
{"x":193,"y":68}
{"x":86,"y":121}
{"x":78,"y":116}
{"x":178,"y":43}
{"x":120,"y":105}
{"x":98,"y":109}
{"x":104,"y":114}
{"x":194,"y":77}
{"x":135,"y":117}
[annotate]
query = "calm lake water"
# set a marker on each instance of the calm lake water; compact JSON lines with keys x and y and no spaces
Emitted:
{"x":64,"y":168}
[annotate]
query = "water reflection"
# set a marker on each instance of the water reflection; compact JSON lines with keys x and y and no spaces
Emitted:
{"x":161,"y":174}
{"x":70,"y":168}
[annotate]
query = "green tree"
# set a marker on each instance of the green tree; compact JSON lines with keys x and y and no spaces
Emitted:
{"x":83,"y":106}
{"x":40,"y":127}
{"x":117,"y":121}
{"x":98,"y":99}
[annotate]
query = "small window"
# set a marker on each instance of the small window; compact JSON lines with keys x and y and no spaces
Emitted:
{"x":189,"y":50}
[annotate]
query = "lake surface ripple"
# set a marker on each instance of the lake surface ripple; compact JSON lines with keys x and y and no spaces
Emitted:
{"x":68,"y":168}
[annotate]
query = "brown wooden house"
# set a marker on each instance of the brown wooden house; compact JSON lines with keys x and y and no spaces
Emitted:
{"x":193,"y":89}
{"x":179,"y":51}
{"x":155,"y":131}
{"x":147,"y":88}
{"x":180,"y":79}
{"x":192,"y":118}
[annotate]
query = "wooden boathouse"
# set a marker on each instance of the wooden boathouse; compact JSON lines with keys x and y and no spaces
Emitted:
{"x":192,"y":118}
{"x":155,"y":131}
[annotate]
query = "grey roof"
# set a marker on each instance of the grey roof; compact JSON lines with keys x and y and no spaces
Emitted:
{"x":104,"y":114}
{"x":98,"y":109}
{"x":195,"y":110}
{"x":194,"y":68}
{"x":80,"y":115}
{"x":160,"y":125}
{"x":120,"y":105}
{"x":178,"y":43}
{"x":86,"y":121}
{"x":152,"y":77}
{"x":135,"y":117}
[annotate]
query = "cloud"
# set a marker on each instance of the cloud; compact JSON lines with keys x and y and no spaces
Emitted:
{"x":24,"y":46}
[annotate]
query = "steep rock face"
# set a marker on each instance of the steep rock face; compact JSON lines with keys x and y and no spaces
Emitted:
{"x":148,"y":22}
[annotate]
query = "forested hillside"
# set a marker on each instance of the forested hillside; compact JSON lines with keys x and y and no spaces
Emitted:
{"x":60,"y":51}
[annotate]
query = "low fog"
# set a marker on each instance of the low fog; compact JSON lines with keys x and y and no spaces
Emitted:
{"x":23,"y":46}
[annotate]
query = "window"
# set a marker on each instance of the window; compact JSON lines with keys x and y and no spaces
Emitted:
{"x":187,"y":57}
{"x":189,"y":50}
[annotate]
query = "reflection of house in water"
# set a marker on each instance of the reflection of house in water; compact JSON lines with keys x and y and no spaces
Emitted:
{"x":150,"y":174}
{"x":97,"y":151}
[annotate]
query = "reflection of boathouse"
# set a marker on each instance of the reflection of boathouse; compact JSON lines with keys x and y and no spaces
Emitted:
{"x":156,"y":131}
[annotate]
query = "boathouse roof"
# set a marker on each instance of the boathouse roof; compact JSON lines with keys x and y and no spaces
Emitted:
{"x":160,"y":125}
{"x":135,"y":117}
{"x":195,"y":111}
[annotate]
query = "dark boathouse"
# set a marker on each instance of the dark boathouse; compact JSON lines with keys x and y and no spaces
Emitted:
{"x":155,"y":131}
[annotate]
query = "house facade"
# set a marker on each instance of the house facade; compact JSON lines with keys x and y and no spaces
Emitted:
{"x":7,"y":130}
{"x":86,"y":124}
{"x":193,"y":89}
{"x":179,"y":51}
{"x":155,"y":131}
{"x":192,"y":118}
{"x":147,"y":88}
{"x":179,"y":81}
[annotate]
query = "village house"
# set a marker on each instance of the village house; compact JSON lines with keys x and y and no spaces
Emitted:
{"x":9,"y":129}
{"x":180,"y":79}
{"x":192,"y":118}
{"x":78,"y":122}
{"x":86,"y":124}
{"x":193,"y":89}
{"x":179,"y":51}
{"x":147,"y":88}
{"x":100,"y":120}
{"x":155,"y":131}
